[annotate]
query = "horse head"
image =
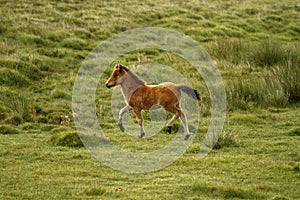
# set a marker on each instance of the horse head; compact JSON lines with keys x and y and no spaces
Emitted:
{"x":116,"y":76}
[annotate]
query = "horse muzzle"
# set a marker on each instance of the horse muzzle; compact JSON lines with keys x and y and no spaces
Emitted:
{"x":109,"y":85}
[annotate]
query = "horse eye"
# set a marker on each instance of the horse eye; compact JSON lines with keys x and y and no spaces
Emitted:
{"x":115,"y":75}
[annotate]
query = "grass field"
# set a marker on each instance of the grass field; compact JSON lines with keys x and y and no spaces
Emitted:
{"x":256,"y":47}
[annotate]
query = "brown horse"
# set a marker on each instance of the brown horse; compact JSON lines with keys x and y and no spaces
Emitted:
{"x":139,"y":96}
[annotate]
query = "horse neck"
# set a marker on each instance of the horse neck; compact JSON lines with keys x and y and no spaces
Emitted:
{"x":129,"y":84}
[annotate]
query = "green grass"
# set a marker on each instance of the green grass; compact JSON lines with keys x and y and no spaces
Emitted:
{"x":261,"y":166}
{"x":278,"y":86}
{"x":255,"y":44}
{"x":5,"y":129}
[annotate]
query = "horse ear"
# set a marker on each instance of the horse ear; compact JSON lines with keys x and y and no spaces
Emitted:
{"x":118,"y":66}
{"x":121,"y":67}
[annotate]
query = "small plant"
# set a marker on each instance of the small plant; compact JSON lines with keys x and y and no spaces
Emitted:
{"x":226,"y":139}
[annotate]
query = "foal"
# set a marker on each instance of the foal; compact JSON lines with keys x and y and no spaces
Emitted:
{"x":139,"y":96}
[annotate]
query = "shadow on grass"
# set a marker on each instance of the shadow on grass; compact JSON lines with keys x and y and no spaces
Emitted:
{"x":226,"y":192}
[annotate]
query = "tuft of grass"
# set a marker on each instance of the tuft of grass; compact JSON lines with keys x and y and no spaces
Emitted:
{"x":267,"y":53}
{"x":16,"y":105}
{"x":48,"y":127}
{"x":96,"y":192}
{"x":56,"y":36}
{"x":61,"y":95}
{"x":231,"y":50}
{"x":29,"y":39}
{"x":206,"y":190}
{"x":297,"y":168}
{"x":288,"y":75}
{"x":237,"y":193}
{"x":14,"y":119}
{"x":226,"y":192}
{"x":13,"y":78}
{"x":277,"y":87}
{"x":270,"y":92}
{"x":226,"y":139}
{"x":294,"y":132}
{"x":29,"y":126}
{"x":64,"y":136}
{"x":6,"y":129}
{"x":29,"y":70}
{"x":74,"y":43}
{"x":263,"y":92}
{"x":3,"y":112}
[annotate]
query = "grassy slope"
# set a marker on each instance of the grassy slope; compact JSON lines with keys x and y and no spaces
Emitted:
{"x":42,"y":45}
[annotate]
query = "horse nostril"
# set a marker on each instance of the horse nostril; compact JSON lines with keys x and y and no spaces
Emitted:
{"x":107,"y":85}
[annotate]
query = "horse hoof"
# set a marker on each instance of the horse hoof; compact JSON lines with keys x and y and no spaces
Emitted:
{"x":121,"y":127}
{"x":169,"y":129}
{"x":187,"y":137}
{"x":142,"y":135}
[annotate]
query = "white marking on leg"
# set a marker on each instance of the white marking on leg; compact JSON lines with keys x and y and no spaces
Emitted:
{"x":173,"y":119}
{"x":122,"y":112}
{"x":184,"y":123}
{"x":142,"y":130}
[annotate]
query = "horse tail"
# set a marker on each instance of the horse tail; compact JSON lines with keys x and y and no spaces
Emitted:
{"x":190,"y":91}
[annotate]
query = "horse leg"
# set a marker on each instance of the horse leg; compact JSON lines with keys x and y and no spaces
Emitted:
{"x":185,"y":126}
{"x":138,"y":113}
{"x":122,"y":112}
{"x":176,"y":115}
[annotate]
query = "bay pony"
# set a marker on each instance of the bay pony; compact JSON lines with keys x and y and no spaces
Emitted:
{"x":139,"y":96}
